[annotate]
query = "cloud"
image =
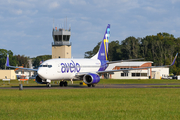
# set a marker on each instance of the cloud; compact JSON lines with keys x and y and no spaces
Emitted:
{"x":175,"y":1}
{"x":177,"y":21}
{"x":77,"y":2}
{"x":31,"y":12}
{"x":84,"y":18}
{"x":155,"y":10}
{"x":53,"y":5}
{"x":116,"y":5}
{"x":17,"y":12}
{"x":21,"y":3}
{"x":1,"y":17}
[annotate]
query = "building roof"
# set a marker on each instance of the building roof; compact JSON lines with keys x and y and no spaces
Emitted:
{"x":137,"y":63}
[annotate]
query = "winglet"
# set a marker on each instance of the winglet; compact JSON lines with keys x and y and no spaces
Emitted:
{"x":174,"y":59}
{"x":7,"y":60}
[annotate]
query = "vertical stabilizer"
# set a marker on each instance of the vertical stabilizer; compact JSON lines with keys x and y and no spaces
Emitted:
{"x":103,"y":50}
{"x":7,"y":60}
{"x":174,"y":59}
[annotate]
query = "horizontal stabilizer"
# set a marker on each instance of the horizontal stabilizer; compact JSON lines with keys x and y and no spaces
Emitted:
{"x":129,"y":60}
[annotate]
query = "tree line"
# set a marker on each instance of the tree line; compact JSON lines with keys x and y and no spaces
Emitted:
{"x":160,"y":49}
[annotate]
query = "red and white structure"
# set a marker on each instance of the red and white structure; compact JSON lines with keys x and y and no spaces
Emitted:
{"x":154,"y":73}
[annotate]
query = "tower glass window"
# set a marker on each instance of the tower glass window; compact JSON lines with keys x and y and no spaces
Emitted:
{"x":60,"y":37}
{"x":64,"y":37}
{"x":68,"y":36}
{"x":56,"y":38}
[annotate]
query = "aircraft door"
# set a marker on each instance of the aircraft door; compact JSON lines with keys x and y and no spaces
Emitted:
{"x":59,"y":68}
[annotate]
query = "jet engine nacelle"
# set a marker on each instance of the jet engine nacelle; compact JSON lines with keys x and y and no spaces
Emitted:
{"x":91,"y":78}
{"x":39,"y":80}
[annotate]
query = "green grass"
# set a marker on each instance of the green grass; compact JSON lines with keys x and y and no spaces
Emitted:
{"x":90,"y":104}
{"x":16,"y":83}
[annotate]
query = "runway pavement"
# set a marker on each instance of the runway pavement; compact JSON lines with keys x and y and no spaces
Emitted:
{"x":121,"y":86}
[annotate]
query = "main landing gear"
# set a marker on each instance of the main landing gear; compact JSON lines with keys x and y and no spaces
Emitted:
{"x":89,"y":85}
{"x":63,"y":83}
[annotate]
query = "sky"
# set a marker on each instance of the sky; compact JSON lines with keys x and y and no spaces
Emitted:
{"x":26,"y":25}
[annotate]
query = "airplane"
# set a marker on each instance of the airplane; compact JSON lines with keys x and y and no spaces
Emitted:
{"x":87,"y":70}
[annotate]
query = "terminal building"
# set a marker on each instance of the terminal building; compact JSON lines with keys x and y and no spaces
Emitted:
{"x":150,"y":73}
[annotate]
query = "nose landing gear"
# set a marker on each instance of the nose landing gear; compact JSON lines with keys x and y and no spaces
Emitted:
{"x":48,"y":85}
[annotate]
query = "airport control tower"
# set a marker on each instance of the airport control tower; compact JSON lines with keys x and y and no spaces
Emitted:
{"x":61,"y":47}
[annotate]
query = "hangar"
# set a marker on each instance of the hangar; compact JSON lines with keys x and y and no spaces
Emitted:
{"x":154,"y":73}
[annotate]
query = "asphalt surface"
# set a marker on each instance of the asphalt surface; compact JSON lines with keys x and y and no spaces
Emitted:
{"x":76,"y":86}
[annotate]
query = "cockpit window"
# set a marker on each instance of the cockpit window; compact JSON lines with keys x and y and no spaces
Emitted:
{"x":49,"y":66}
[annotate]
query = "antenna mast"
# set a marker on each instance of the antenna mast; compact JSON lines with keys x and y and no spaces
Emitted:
{"x":53,"y":23}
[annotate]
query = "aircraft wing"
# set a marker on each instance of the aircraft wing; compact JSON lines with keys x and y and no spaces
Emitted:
{"x":28,"y":69}
{"x":8,"y":65}
{"x":81,"y":74}
{"x":111,"y":71}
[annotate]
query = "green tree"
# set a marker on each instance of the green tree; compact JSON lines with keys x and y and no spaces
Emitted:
{"x":114,"y":51}
{"x":36,"y":60}
{"x":130,"y":48}
{"x":3,"y":56}
{"x":90,"y":54}
{"x":22,"y":60}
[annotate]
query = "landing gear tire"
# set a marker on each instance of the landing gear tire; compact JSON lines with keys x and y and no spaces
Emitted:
{"x":89,"y":85}
{"x":61,"y":84}
{"x":65,"y":84}
{"x":48,"y":85}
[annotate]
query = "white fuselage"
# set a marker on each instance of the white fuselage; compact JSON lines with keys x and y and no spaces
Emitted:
{"x":61,"y":69}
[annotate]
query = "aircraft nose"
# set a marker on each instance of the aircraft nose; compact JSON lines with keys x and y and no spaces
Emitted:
{"x":41,"y":73}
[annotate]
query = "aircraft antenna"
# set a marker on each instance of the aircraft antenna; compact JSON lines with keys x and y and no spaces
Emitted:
{"x":66,"y":22}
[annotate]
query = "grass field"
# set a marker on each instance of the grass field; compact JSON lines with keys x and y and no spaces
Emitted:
{"x":91,"y":104}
